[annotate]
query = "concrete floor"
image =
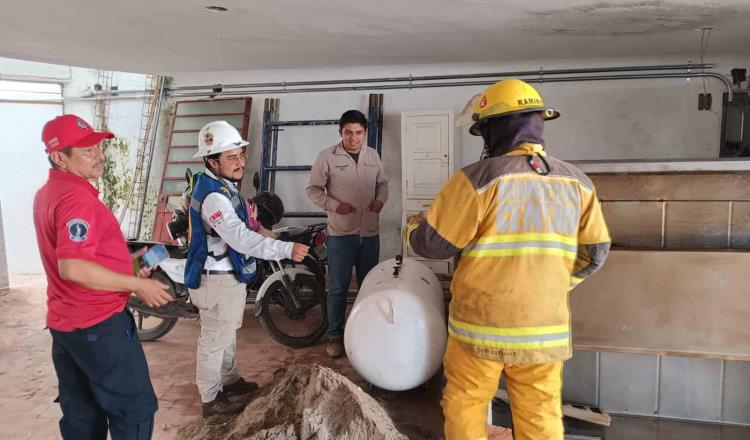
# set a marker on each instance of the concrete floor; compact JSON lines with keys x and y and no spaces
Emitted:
{"x":29,"y":384}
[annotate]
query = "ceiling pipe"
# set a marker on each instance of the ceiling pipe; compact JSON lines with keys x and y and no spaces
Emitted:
{"x":412,"y":79}
{"x":114,"y":94}
{"x":102,"y":97}
{"x":295,"y":86}
{"x":285,"y":90}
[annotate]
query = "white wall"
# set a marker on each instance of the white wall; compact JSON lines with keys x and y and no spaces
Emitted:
{"x":124,"y":119}
{"x":22,"y":171}
{"x":24,"y":166}
{"x":603,"y":120}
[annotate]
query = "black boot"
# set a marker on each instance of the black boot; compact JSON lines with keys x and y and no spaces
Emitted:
{"x":240,"y":388}
{"x":220,"y":405}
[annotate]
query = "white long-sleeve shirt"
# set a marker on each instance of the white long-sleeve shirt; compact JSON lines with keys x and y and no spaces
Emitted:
{"x":218,"y":214}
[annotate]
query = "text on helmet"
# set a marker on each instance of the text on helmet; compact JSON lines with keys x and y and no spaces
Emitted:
{"x":530,"y":101}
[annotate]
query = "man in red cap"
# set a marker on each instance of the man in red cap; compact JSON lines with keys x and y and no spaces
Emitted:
{"x":101,"y":368}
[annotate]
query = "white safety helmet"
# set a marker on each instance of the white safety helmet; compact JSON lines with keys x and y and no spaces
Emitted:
{"x":216,"y":137}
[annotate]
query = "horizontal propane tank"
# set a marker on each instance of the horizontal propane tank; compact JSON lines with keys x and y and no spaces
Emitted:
{"x":396,"y":333}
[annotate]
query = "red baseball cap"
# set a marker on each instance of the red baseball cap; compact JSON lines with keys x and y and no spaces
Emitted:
{"x":71,"y":131}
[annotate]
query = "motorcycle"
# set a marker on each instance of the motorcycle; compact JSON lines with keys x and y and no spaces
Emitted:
{"x":289,"y":298}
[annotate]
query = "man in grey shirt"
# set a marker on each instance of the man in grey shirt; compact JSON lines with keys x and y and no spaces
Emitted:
{"x":348,"y":182}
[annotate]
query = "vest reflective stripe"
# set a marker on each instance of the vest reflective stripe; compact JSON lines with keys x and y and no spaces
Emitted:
{"x":520,"y":338}
{"x":523,"y":244}
{"x":235,"y":200}
{"x":249,"y":268}
{"x":196,"y":204}
{"x":574,"y":281}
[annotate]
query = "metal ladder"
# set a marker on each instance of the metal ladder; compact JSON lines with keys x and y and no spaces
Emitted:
{"x":103,"y":93}
{"x":137,"y":194}
{"x":187,"y":118}
{"x":270,"y":143}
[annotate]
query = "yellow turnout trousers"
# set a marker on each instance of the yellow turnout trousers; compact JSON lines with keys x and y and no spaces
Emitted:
{"x":534,"y":391}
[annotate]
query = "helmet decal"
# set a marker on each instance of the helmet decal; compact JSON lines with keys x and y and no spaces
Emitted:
{"x":208,"y":138}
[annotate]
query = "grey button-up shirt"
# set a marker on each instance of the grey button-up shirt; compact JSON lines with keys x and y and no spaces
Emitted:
{"x":336,"y":177}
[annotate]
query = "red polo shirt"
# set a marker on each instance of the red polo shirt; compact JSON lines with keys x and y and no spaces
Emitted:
{"x":72,"y":223}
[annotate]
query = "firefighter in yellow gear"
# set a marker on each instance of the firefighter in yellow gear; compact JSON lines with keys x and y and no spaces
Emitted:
{"x":528,"y":228}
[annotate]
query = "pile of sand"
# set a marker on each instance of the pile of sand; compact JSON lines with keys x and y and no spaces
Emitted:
{"x":303,"y":402}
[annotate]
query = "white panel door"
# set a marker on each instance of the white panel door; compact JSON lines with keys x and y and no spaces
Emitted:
{"x":426,"y":152}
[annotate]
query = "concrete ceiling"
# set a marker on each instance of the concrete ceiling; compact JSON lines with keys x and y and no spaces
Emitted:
{"x":168,"y":36}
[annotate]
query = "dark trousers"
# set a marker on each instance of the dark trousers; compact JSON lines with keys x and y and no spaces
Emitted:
{"x":344,"y":253}
{"x":103,"y":381}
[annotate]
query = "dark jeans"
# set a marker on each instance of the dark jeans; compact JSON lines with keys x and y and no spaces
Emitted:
{"x":103,"y":381}
{"x":344,"y":253}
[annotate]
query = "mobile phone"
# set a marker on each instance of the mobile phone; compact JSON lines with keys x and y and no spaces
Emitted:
{"x":155,"y":255}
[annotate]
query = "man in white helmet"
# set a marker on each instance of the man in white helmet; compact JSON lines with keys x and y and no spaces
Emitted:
{"x":221,"y":260}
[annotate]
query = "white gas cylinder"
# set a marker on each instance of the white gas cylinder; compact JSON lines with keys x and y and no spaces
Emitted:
{"x":396,"y":334}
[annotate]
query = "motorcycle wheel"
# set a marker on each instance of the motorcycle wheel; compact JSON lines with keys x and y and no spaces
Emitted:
{"x":150,"y":327}
{"x":293,"y":331}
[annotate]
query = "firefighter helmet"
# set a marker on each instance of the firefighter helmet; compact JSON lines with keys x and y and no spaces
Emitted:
{"x":503,"y":98}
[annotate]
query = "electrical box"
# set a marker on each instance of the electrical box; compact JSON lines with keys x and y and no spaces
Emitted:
{"x":735,"y":126}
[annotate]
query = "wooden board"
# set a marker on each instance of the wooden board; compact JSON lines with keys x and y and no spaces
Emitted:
{"x":580,"y":412}
{"x":666,"y":302}
{"x":688,"y":186}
